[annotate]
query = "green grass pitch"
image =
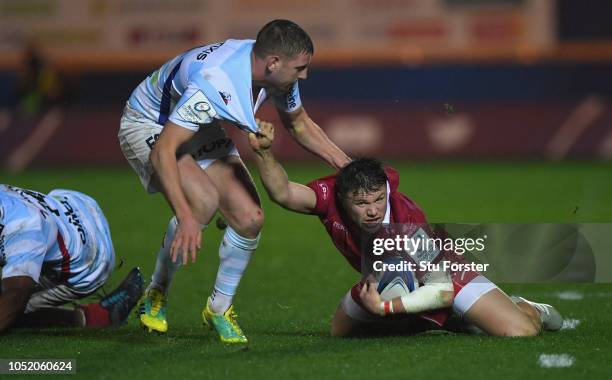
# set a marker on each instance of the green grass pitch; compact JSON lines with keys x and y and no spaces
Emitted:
{"x":296,"y":280}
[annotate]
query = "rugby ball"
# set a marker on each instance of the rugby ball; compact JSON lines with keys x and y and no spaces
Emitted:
{"x":393,"y":284}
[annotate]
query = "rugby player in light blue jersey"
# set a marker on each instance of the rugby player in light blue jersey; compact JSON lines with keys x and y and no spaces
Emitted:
{"x":172,"y":134}
{"x":57,"y":249}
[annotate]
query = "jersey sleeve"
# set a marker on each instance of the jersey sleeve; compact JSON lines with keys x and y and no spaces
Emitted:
{"x":23,"y":249}
{"x":323,"y":192}
{"x":193,"y":109}
{"x":290,"y":101}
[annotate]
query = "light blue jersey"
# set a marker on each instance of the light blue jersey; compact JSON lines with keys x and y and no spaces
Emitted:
{"x":62,"y":236}
{"x":205,"y":84}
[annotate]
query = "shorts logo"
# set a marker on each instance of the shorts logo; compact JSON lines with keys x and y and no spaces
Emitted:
{"x":151,"y":140}
{"x":197,"y":109}
{"x":217,"y":144}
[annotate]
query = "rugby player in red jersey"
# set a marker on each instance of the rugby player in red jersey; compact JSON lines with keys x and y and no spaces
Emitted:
{"x":357,"y":199}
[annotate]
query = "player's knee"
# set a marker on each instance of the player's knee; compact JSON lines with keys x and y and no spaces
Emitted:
{"x":338,"y":331}
{"x":250,"y":223}
{"x":529,"y":310}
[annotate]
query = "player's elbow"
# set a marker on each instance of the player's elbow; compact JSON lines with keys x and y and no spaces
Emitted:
{"x":281,"y":198}
{"x":159,"y":152}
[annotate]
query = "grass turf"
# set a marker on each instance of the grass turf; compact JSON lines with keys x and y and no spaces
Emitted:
{"x":296,"y":279}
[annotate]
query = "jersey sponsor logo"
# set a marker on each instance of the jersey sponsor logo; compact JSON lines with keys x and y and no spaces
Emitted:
{"x":2,"y":251}
{"x":225,"y":96}
{"x":197,"y":109}
{"x":73,"y":219}
{"x":339,"y":226}
{"x":290,"y":100}
{"x":30,"y":196}
{"x":202,"y":107}
{"x":324,"y":191}
{"x":209,"y":49}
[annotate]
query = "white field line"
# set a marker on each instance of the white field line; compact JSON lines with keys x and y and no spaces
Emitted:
{"x":570,"y":324}
{"x":556,"y":360}
{"x":579,"y":120}
{"x":569,"y":295}
{"x":25,"y":153}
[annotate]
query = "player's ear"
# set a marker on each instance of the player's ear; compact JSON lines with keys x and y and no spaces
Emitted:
{"x":273,"y":62}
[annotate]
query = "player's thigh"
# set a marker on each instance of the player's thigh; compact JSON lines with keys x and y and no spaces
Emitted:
{"x":497,"y":315}
{"x":238,"y":198}
{"x":200,"y":191}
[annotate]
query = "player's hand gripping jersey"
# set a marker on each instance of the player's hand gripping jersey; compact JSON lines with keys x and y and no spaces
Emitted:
{"x":62,"y":237}
{"x":208,"y":83}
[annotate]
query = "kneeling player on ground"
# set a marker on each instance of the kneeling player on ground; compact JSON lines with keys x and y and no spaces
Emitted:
{"x":56,"y":249}
{"x":363,"y":194}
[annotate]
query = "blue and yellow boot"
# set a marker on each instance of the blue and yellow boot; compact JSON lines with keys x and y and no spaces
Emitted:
{"x":225,"y":324}
{"x":152,"y":311}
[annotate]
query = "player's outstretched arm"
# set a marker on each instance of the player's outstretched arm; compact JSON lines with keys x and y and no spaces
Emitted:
{"x":15,"y":294}
{"x":431,"y":296}
{"x":310,"y":136}
{"x":290,"y":195}
{"x":188,"y":237}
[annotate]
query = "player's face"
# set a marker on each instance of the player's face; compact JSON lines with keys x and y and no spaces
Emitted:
{"x":367,"y":209}
{"x":284,"y":72}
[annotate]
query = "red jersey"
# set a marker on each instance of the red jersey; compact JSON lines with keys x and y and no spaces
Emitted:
{"x":346,"y":235}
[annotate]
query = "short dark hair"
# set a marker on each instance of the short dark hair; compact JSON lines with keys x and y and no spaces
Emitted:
{"x":282,"y":37}
{"x":361,"y":175}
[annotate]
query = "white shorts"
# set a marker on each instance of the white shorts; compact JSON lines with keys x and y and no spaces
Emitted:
{"x":138,"y":134}
{"x":471,"y":293}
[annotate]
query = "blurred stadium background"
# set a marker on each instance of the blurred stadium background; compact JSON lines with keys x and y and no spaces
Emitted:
{"x":472,"y":100}
{"x":400,"y":79}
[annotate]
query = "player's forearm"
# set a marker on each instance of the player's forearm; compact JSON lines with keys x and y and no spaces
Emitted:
{"x":427,"y":297}
{"x":273,"y":176}
{"x":166,"y":167}
{"x":310,"y":136}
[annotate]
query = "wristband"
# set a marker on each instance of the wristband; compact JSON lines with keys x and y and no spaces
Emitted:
{"x":385,"y":307}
